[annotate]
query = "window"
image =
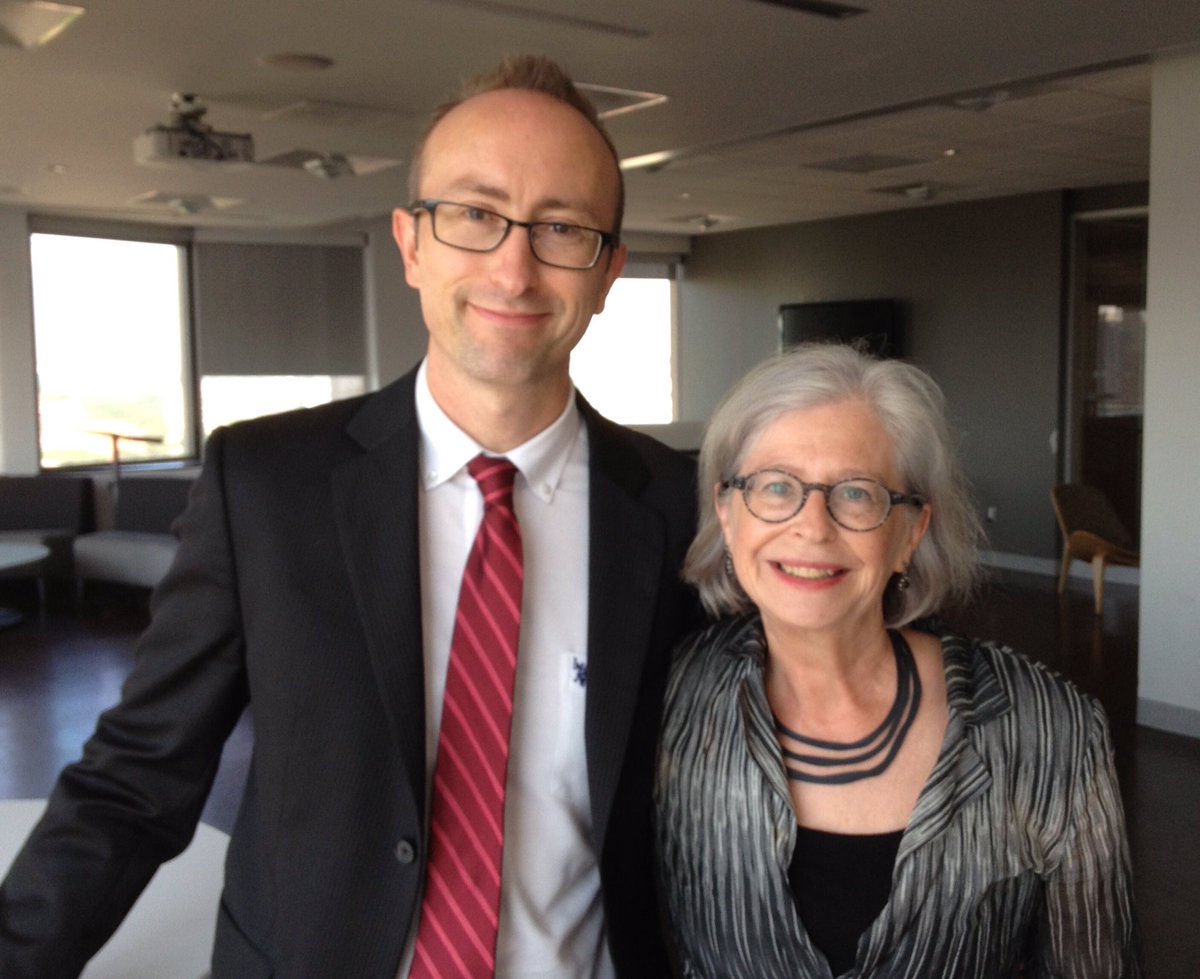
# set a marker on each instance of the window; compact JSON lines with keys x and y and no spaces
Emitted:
{"x":110,"y":334}
{"x":229,"y":398}
{"x":623,"y":364}
{"x":276,"y":326}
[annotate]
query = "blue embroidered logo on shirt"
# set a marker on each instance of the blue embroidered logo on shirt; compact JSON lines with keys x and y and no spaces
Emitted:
{"x":580,"y":669}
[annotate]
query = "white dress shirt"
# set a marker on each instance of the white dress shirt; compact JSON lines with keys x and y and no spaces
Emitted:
{"x":551,"y":916}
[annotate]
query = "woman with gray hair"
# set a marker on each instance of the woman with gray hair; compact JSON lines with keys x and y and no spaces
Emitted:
{"x":844,"y":787}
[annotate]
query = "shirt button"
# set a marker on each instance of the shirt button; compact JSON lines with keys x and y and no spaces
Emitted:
{"x":406,"y":853}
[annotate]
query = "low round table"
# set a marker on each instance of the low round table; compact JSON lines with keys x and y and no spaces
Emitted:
{"x":19,"y":557}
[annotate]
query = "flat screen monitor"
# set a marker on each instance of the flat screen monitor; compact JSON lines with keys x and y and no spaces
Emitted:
{"x":872,"y":322}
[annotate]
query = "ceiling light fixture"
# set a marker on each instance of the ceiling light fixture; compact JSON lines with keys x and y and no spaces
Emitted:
{"x":701,"y":222}
{"x":329,"y":166}
{"x":186,"y":204}
{"x":610,"y":101}
{"x":32,"y":23}
{"x":921,"y":190}
{"x":650,"y":162}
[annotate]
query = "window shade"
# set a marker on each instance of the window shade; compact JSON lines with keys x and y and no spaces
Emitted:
{"x":278,"y":309}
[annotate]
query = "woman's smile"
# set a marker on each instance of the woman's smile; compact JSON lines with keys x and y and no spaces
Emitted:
{"x":809,"y":572}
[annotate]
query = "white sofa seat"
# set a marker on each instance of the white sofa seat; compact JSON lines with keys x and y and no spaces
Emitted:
{"x":139,"y":547}
{"x":128,"y":557}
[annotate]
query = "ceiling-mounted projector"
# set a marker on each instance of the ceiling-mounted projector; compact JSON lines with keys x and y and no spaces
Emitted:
{"x":189,"y":137}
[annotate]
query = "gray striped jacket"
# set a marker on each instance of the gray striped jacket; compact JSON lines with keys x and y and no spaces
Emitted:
{"x":1015,"y":851}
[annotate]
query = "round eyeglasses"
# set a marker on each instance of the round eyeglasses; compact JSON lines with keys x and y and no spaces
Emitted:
{"x":476,"y":229}
{"x":773,"y":496}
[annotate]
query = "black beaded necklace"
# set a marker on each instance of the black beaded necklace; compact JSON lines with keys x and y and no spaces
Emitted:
{"x":885,"y":740}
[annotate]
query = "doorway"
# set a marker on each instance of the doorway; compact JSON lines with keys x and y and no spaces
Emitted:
{"x":1106,"y":358}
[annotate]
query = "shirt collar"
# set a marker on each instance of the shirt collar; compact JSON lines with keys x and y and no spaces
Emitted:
{"x":446,"y":448}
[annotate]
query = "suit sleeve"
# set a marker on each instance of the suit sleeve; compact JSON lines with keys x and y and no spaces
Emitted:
{"x":133,"y":799}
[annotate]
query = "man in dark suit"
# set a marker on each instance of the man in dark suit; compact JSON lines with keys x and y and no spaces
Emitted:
{"x":315,"y":579}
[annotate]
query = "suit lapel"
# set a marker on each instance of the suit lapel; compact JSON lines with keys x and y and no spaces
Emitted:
{"x":375,"y":501}
{"x":627,"y":541}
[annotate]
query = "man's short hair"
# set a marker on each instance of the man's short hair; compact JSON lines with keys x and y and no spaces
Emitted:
{"x":532,"y":73}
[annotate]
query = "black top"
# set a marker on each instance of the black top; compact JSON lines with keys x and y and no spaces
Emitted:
{"x":841,"y":883}
{"x":1016,"y":851}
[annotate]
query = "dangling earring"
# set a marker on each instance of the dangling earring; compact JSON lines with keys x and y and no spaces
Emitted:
{"x":728,"y":564}
{"x":903,"y":581}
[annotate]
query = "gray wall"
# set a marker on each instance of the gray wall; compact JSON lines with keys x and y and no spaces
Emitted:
{"x":979,"y":286}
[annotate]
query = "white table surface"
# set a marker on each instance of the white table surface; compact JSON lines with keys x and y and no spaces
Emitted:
{"x":17,"y":555}
{"x":168,"y":934}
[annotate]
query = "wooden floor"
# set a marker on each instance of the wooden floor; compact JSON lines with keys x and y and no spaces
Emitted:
{"x":59,"y":670}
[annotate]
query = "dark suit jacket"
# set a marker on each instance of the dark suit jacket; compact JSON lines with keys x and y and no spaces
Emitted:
{"x":296,"y":590}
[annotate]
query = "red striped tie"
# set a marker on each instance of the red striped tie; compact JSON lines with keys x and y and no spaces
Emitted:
{"x":457,"y":933}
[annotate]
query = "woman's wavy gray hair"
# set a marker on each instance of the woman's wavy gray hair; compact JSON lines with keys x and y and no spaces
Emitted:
{"x":911,"y":407}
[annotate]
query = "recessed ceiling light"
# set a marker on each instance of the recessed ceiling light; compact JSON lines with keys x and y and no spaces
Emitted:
{"x":296,"y":61}
{"x":32,"y":23}
{"x":949,"y":151}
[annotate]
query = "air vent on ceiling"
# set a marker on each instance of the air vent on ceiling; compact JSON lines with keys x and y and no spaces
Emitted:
{"x":819,"y":8}
{"x":981,"y":100}
{"x":864,"y":163}
{"x":923,"y":190}
{"x":701,"y":222}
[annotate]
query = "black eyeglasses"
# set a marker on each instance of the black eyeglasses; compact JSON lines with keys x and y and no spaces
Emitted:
{"x":774,"y":495}
{"x":476,"y":229}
